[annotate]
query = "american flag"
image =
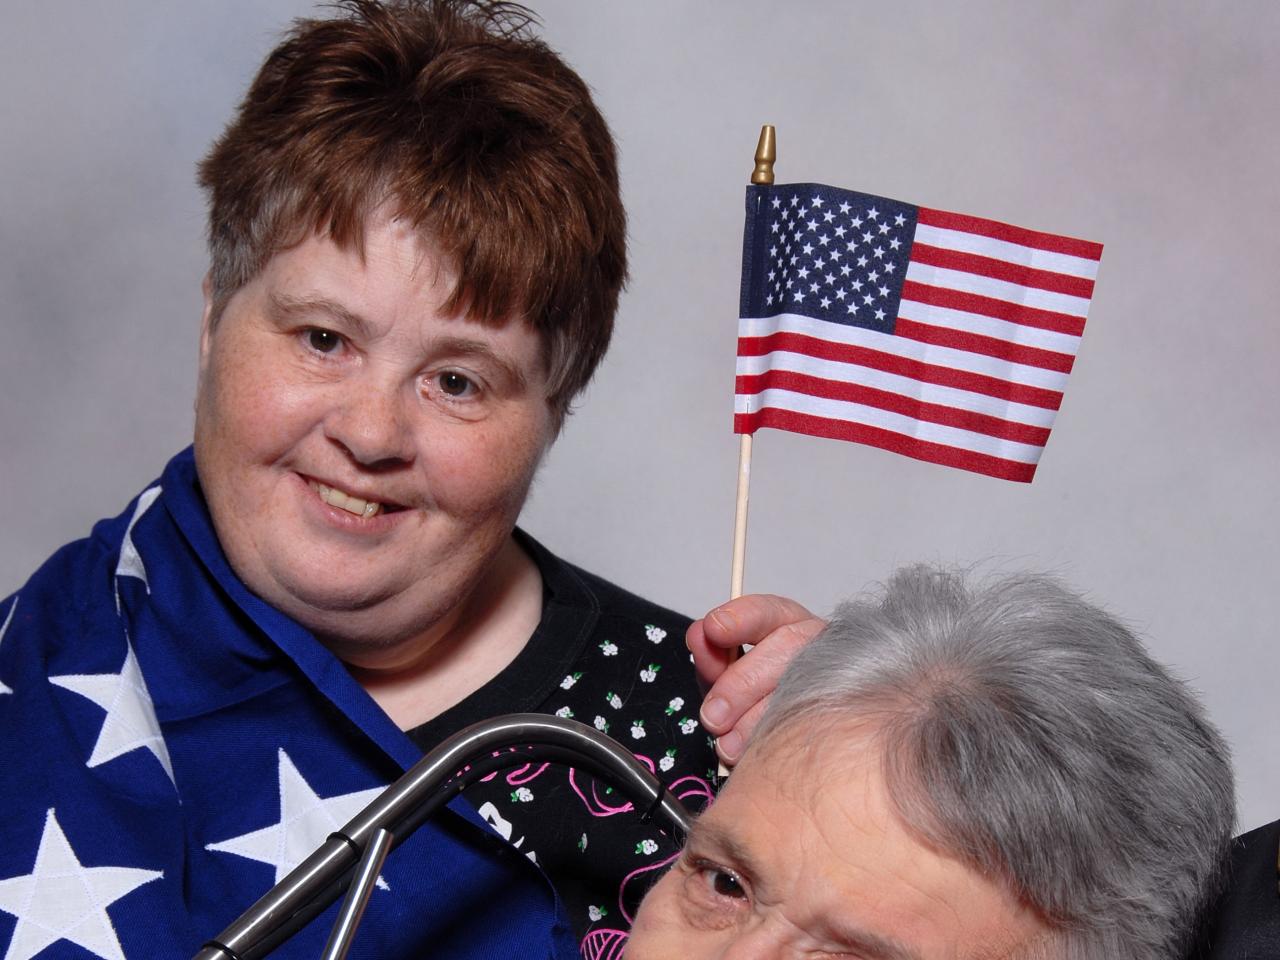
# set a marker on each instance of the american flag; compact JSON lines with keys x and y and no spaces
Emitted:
{"x":940,"y":336}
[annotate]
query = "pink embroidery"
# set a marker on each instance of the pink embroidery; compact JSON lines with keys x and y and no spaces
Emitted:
{"x":634,"y":874}
{"x":603,"y":945}
{"x":596,"y":806}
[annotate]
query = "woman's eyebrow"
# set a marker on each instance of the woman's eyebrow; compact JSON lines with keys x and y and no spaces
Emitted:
{"x":866,"y":943}
{"x":285,"y":307}
{"x":719,"y":842}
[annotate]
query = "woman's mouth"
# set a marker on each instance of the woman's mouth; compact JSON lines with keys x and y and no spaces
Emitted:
{"x":350,"y":503}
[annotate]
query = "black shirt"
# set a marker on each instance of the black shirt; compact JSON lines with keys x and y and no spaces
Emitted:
{"x":607,"y":658}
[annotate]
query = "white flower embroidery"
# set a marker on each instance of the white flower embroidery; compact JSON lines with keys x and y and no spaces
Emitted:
{"x":667,"y":762}
{"x":523,"y":794}
{"x":655,"y":634}
{"x":596,"y":913}
{"x":609,"y":648}
{"x":601,"y":724}
{"x":647,"y":846}
{"x":637,"y":730}
{"x":614,"y":701}
{"x":675,"y":704}
{"x":651,"y":674}
{"x":565,"y":713}
{"x":568,"y":682}
{"x":688,"y":725}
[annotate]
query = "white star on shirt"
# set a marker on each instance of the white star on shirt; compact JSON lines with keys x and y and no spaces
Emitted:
{"x":305,"y":823}
{"x":130,"y":723}
{"x":130,"y":562}
{"x":895,"y":243}
{"x":817,"y":201}
{"x":879,"y":314}
{"x":839,"y":231}
{"x":8,"y":617}
{"x":826,"y":302}
{"x":873,"y":213}
{"x":844,"y":207}
{"x":777,"y":202}
{"x":899,"y":220}
{"x":61,"y":899}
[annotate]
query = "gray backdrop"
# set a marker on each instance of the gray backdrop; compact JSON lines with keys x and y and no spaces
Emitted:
{"x":1148,"y":126}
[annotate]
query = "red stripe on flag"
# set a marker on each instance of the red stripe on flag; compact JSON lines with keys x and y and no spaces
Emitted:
{"x":987,"y":346}
{"x":1002,"y":270}
{"x":1005,"y":231}
{"x":991,"y":307}
{"x":893,"y":402}
{"x":902,"y":366}
{"x":885,"y":440}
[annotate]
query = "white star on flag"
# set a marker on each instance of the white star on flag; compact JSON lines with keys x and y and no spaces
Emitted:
{"x":305,"y":823}
{"x":61,"y":899}
{"x":130,"y":723}
{"x":4,"y":629}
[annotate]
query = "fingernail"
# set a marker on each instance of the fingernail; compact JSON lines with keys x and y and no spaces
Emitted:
{"x":724,"y":620}
{"x":714,"y":712}
{"x":730,"y":746}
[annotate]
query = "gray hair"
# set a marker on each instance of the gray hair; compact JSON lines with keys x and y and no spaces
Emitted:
{"x":1027,"y":733}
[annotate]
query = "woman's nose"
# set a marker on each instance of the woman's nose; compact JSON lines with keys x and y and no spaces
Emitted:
{"x":370,"y":422}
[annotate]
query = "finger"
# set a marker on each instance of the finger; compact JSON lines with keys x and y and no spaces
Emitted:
{"x":730,"y":747}
{"x":709,"y":661}
{"x":749,"y":619}
{"x":753,"y":676}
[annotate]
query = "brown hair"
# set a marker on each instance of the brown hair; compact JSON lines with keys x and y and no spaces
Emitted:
{"x":475,"y":131}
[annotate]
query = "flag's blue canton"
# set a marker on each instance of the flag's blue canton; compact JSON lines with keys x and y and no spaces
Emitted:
{"x":825,"y":253}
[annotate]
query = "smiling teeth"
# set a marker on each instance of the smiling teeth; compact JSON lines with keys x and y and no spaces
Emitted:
{"x":336,"y":498}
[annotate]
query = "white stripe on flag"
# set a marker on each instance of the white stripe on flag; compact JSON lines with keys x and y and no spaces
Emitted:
{"x":965,"y":282}
{"x":902,"y":386}
{"x":885,"y":420}
{"x":1006,"y":251}
{"x":988,"y":327}
{"x":948,"y":357}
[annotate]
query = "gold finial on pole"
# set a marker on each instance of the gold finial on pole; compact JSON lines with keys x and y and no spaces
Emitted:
{"x":766,"y":153}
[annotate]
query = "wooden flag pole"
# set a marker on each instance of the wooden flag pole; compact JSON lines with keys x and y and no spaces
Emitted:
{"x":766,"y":153}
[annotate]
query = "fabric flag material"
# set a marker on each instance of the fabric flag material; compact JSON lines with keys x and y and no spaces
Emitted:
{"x":940,"y":336}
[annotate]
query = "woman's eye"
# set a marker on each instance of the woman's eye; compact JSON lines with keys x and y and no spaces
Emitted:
{"x":725,"y":884}
{"x":455,"y":384}
{"x":323,"y":341}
